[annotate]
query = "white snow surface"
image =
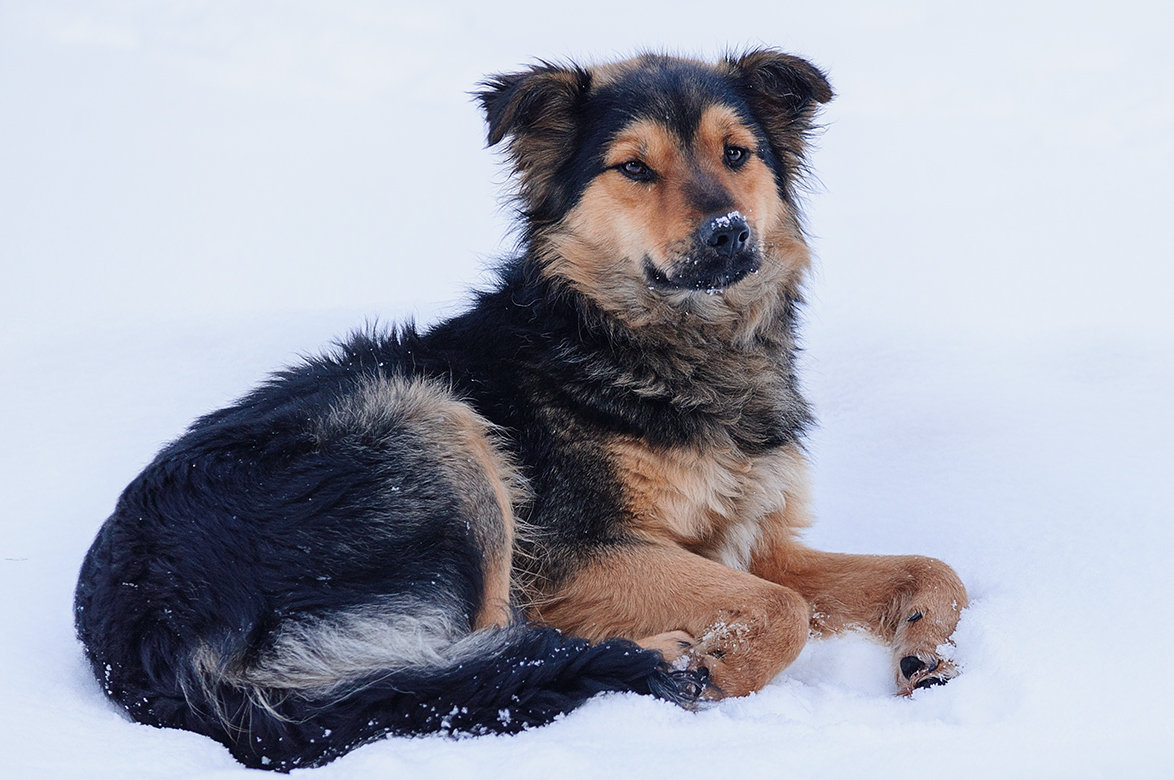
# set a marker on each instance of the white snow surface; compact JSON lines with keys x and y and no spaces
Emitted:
{"x":195,"y":193}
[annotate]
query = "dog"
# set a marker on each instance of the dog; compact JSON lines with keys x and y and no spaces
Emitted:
{"x":591,"y":480}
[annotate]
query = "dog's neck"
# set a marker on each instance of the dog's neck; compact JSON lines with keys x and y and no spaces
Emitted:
{"x":690,"y":381}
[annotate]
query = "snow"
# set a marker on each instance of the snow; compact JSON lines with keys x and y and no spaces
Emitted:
{"x":725,"y":220}
{"x":193,"y":194}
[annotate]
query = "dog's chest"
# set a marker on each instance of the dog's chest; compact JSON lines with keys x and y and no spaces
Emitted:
{"x":713,"y":502}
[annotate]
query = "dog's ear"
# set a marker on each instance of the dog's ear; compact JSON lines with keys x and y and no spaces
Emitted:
{"x":538,"y":102}
{"x":538,"y":110}
{"x":780,"y":86}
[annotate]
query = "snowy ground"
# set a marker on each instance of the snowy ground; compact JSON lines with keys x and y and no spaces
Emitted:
{"x":191,"y":194}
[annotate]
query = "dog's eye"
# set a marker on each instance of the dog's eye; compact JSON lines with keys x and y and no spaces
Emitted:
{"x":736,"y":156}
{"x":637,"y":171}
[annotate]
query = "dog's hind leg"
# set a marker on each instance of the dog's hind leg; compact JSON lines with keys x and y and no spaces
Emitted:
{"x":464,"y":450}
{"x":742,"y":629}
{"x":494,"y":486}
{"x":911,"y":602}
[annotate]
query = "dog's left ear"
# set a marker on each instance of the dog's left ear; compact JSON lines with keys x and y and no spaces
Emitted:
{"x":781,"y":86}
{"x":783,"y":92}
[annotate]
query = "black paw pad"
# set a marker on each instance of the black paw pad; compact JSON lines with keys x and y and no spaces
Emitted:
{"x":930,"y":682}
{"x":911,"y":665}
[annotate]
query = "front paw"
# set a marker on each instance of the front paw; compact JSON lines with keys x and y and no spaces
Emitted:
{"x":674,"y":647}
{"x":923,"y":670}
{"x":924,"y":624}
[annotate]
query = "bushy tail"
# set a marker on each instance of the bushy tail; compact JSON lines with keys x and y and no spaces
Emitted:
{"x":527,"y":676}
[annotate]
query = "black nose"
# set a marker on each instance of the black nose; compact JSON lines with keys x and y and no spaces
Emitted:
{"x":727,"y":234}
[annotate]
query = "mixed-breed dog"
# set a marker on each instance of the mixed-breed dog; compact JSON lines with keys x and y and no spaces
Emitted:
{"x":592,"y":480}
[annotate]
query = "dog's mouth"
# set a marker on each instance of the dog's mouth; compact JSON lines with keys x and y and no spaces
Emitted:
{"x":703,"y":271}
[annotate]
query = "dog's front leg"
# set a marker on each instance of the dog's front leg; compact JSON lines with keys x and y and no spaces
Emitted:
{"x":909,"y":601}
{"x":741,"y":628}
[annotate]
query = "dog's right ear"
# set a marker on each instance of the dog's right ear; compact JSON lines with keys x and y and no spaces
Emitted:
{"x":539,"y":111}
{"x":538,"y":103}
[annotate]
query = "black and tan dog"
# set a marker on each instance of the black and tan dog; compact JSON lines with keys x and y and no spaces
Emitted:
{"x":608,"y":441}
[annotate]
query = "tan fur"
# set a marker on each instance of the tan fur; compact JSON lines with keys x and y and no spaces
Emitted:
{"x":601,"y":244}
{"x":711,"y":502}
{"x":708,"y":515}
{"x":673,"y":645}
{"x":744,"y":629}
{"x":472,"y":434}
{"x":875,"y":593}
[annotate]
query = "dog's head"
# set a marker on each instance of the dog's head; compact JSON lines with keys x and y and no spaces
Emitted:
{"x":659,"y":184}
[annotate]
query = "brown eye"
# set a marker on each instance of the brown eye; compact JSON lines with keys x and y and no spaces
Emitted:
{"x":736,"y":156}
{"x":637,"y":171}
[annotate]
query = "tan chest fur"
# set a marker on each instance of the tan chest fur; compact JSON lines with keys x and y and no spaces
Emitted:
{"x":717,"y":503}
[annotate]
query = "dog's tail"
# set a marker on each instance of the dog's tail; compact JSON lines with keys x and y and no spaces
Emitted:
{"x":495,"y":681}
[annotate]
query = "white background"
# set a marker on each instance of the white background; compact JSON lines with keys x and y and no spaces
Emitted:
{"x":195,"y":193}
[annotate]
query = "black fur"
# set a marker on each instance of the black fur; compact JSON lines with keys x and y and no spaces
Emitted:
{"x":256,"y":520}
{"x":250,"y":520}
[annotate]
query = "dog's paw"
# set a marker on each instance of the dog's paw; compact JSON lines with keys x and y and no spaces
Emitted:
{"x":923,"y":670}
{"x":673,"y":645}
{"x":688,"y":655}
{"x":920,"y":653}
{"x":924,"y":625}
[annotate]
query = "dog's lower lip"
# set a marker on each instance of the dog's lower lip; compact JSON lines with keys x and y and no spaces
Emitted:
{"x":710,"y":284}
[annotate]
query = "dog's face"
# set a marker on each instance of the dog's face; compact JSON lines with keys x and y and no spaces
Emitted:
{"x":660,"y":184}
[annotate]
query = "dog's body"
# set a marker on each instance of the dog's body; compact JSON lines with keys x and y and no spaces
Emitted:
{"x":608,"y":440}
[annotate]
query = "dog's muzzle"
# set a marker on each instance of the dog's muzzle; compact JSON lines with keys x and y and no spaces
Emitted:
{"x":722,"y":254}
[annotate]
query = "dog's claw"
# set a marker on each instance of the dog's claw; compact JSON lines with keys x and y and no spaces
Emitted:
{"x":930,"y":682}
